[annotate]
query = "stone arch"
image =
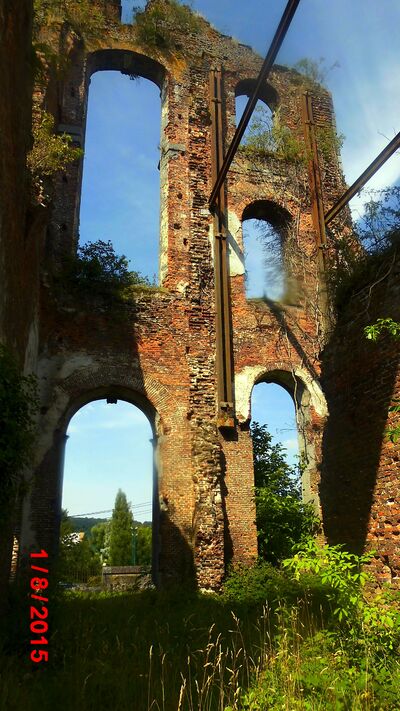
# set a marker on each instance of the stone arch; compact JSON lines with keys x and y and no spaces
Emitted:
{"x":274,"y":249}
{"x":136,"y":398}
{"x":127,"y":62}
{"x":267,"y":93}
{"x":71,"y":115}
{"x":81,"y":380}
{"x":310,"y":408}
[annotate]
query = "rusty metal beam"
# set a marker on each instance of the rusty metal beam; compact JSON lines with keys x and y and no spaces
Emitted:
{"x":317,"y":204}
{"x":269,"y":60}
{"x":222,"y":297}
{"x":363,"y":179}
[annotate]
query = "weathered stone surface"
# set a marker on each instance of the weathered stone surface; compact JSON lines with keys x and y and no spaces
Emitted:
{"x":158,"y":352}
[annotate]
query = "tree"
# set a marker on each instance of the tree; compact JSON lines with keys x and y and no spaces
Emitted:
{"x":99,"y":540}
{"x":77,"y":559}
{"x":143,"y":545}
{"x":283,"y":520}
{"x":121,"y":530}
{"x":97,"y":268}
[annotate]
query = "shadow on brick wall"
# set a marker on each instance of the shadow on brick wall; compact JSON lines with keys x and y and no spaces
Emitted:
{"x":359,"y":471}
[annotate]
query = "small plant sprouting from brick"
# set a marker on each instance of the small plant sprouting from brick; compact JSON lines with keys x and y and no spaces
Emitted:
{"x":381,"y":327}
{"x":313,"y":73}
{"x":82,"y":16}
{"x":50,"y":154}
{"x":268,"y":136}
{"x":161,"y":23}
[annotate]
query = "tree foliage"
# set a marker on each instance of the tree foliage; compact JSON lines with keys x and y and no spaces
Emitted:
{"x":161,"y":24}
{"x":18,"y":406}
{"x":379,"y":227}
{"x":268,"y":136}
{"x":143,"y":545}
{"x":283,"y":520}
{"x":76,"y":558}
{"x":50,"y":154}
{"x":99,"y":538}
{"x":98,"y":269}
{"x":121,"y":529}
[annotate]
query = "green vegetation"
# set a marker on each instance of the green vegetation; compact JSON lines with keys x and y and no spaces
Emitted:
{"x":121,"y":531}
{"x":283,"y":520}
{"x":282,"y":647}
{"x":373,"y":332}
{"x":143,"y":538}
{"x":162,"y":25}
{"x":50,"y":154}
{"x":77,"y":559}
{"x":82,"y":16}
{"x":267,"y":136}
{"x":359,"y":268}
{"x":312,"y":72}
{"x":97,"y":270}
{"x":18,"y":406}
{"x":85,"y":546}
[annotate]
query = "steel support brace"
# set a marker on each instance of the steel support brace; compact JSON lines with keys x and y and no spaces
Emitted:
{"x":363,"y":179}
{"x":222,"y":297}
{"x":269,"y":60}
{"x":317,"y":204}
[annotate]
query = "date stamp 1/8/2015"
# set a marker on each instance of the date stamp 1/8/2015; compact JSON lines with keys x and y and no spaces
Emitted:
{"x":39,"y":612}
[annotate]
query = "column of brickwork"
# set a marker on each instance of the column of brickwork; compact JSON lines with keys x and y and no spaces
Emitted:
{"x":208,"y":512}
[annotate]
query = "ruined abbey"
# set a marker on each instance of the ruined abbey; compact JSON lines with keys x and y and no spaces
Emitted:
{"x":188,"y":362}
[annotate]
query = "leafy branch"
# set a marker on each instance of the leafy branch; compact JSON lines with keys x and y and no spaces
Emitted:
{"x":50,"y":154}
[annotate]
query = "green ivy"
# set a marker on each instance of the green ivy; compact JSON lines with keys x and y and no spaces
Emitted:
{"x":18,"y":406}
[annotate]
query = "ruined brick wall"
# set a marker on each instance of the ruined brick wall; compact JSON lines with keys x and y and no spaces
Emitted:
{"x":18,"y":244}
{"x":361,"y":467}
{"x":159,"y":351}
{"x":19,"y":253}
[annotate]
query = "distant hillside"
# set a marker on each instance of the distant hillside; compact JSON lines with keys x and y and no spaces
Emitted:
{"x":82,"y":523}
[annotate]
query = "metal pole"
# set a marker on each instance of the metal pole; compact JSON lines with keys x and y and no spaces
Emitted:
{"x":314,"y":171}
{"x":269,"y":60}
{"x":363,"y":179}
{"x":223,"y":323}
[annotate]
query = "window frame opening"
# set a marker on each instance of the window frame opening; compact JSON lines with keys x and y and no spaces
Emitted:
{"x":112,"y":395}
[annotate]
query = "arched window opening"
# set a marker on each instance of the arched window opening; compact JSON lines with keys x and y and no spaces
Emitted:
{"x":273,"y":406}
{"x":120,"y":199}
{"x":264,"y":277}
{"x":259,"y":132}
{"x":109,"y":449}
{"x":283,"y":518}
{"x":265,"y":229}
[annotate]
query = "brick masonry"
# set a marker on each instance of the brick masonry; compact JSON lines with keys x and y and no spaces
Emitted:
{"x":360,"y":476}
{"x":158,"y":351}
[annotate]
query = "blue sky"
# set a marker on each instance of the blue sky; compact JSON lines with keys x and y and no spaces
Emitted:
{"x":120,"y":199}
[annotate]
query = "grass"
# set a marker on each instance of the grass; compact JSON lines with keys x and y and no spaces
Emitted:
{"x":187,"y":651}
